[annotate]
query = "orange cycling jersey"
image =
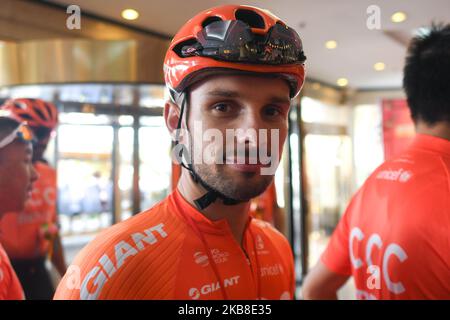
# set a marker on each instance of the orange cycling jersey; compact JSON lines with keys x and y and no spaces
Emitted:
{"x":394,"y":237}
{"x":10,"y":288}
{"x":24,"y":234}
{"x":172,"y":251}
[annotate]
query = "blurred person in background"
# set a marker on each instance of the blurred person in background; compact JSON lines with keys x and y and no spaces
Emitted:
{"x":394,"y":238}
{"x":17,"y":175}
{"x":31,"y":236}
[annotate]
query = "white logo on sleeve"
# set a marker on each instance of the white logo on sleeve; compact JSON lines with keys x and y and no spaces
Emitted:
{"x":97,"y":277}
{"x":399,"y":175}
{"x":405,"y":176}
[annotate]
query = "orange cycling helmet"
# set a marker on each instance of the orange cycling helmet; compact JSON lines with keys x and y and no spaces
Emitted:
{"x":234,"y":38}
{"x":35,"y":112}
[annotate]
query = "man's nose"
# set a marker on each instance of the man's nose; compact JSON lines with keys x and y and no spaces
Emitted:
{"x":248,"y":129}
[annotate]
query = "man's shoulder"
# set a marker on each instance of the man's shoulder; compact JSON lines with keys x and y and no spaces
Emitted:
{"x":121,"y":250}
{"x":141,"y":230}
{"x":412,"y":167}
{"x":137,"y":238}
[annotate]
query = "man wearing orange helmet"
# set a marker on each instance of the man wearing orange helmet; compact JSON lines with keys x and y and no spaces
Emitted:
{"x":228,"y":68}
{"x":30,"y":236}
{"x":16,"y":178}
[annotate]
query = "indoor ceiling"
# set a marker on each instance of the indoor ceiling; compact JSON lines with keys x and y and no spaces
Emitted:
{"x":317,"y":22}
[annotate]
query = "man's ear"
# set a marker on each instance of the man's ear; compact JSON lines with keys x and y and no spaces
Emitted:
{"x":171,"y":116}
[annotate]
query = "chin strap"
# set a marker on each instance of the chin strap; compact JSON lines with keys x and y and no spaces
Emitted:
{"x":211,"y":194}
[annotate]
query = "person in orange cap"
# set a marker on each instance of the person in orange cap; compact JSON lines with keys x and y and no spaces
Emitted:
{"x":17,"y":175}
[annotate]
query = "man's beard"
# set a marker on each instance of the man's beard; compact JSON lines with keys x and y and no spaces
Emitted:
{"x":237,"y":189}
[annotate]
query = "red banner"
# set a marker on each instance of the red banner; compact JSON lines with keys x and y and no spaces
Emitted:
{"x":398,"y":127}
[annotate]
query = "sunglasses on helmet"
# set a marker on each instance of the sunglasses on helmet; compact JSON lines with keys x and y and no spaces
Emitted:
{"x":234,"y":41}
{"x":22,"y":132}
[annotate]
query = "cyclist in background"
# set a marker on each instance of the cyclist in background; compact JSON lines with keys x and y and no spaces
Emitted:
{"x":394,"y":238}
{"x":31,"y":236}
{"x":16,"y":178}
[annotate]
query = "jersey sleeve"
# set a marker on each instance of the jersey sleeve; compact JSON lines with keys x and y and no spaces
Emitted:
{"x":336,"y":256}
{"x":85,"y":276}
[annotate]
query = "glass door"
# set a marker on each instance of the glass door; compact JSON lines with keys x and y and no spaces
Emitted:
{"x":155,"y":161}
{"x":84,"y":177}
{"x":328,"y":165}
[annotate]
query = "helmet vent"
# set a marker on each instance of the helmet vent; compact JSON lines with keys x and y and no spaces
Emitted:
{"x":210,"y":20}
{"x":26,"y":117}
{"x":41,"y":115}
{"x":49,"y":111}
{"x":253,"y":19}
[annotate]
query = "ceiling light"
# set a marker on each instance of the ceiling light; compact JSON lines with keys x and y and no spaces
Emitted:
{"x":398,"y":17}
{"x":342,"y":82}
{"x":130,"y":14}
{"x":379,"y":66}
{"x":331,"y":44}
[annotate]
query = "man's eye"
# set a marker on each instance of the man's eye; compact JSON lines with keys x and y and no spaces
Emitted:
{"x":221,"y":107}
{"x":272,"y":111}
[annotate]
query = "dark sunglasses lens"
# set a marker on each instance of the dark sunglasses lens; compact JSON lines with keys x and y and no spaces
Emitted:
{"x":283,"y":45}
{"x":229,"y":41}
{"x":235,"y":41}
{"x":228,"y":33}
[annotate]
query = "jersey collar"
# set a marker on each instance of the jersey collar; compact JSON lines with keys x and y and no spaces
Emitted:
{"x":431,"y":143}
{"x":184,"y":208}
